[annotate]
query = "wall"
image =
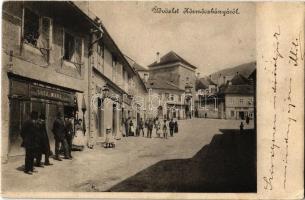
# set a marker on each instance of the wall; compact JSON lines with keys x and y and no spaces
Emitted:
{"x":235,"y":101}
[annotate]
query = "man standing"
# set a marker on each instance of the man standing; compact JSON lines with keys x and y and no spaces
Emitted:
{"x":141,"y":127}
{"x":59,"y":131}
{"x":150,"y":128}
{"x":44,"y":142}
{"x":171,"y":127}
{"x":69,"y":134}
{"x":30,"y":137}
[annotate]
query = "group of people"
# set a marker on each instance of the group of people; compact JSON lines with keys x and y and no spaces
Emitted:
{"x":35,"y":139}
{"x":161,"y":126}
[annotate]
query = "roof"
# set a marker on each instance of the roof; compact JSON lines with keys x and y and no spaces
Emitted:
{"x":239,"y":79}
{"x":134,"y":64}
{"x":138,"y":67}
{"x":239,"y":89}
{"x":171,"y":57}
{"x":158,"y":83}
{"x":203,"y":83}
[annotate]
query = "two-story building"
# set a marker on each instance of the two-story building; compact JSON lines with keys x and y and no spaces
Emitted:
{"x":237,"y":99}
{"x":44,"y":66}
{"x":171,"y":82}
{"x":206,"y":99}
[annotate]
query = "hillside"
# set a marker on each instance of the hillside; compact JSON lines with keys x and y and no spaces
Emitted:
{"x":244,"y":69}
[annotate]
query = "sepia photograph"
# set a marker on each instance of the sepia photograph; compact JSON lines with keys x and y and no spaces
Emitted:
{"x":133,"y":96}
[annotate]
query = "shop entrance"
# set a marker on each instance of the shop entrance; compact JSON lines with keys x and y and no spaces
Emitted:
{"x":25,"y":97}
{"x":20,"y":112}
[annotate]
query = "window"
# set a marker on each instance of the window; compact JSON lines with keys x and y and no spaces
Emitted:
{"x":171,"y":97}
{"x":69,"y":46}
{"x":72,"y":48}
{"x":114,"y":63}
{"x":31,"y":27}
{"x":37,"y":30}
{"x":167,"y":96}
{"x":241,"y":101}
{"x":100,"y":50}
{"x":232,"y":113}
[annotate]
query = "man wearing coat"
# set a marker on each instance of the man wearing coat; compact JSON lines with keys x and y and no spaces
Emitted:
{"x":171,"y":127}
{"x":59,"y":131}
{"x":30,"y":136}
{"x":44,"y":142}
{"x":69,"y":134}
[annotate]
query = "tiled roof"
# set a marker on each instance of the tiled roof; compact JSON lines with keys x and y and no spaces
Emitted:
{"x":158,"y":83}
{"x":239,"y":79}
{"x":171,"y":57}
{"x":239,"y":89}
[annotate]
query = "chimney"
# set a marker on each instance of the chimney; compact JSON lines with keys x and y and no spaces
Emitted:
{"x":197,"y":76}
{"x":158,"y":57}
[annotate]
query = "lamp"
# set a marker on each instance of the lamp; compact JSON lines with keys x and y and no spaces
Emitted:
{"x":105,"y":91}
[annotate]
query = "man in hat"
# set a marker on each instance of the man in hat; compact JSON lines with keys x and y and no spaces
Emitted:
{"x":30,"y":136}
{"x":59,"y":131}
{"x":69,"y":134}
{"x":44,"y":142}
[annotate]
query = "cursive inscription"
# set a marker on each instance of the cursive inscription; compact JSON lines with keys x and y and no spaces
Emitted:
{"x":268,"y":180}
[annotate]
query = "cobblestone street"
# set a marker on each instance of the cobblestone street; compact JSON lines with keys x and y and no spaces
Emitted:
{"x":100,"y":169}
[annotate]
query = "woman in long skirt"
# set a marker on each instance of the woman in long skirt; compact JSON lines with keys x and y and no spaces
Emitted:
{"x":78,"y":140}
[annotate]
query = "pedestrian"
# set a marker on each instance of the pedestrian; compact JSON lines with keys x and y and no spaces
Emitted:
{"x":164,"y":128}
{"x":241,"y":126}
{"x":131,"y":128}
{"x":150,"y":127}
{"x":45,"y":143}
{"x":141,"y":127}
{"x":171,"y":127}
{"x":157,"y":127}
{"x":247,"y":119}
{"x":69,"y":134}
{"x":78,"y":141}
{"x":59,"y":132}
{"x":176,"y":126}
{"x":146,"y":126}
{"x":30,"y":141}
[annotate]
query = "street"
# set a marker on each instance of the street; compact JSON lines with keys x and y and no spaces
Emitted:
{"x":100,"y":169}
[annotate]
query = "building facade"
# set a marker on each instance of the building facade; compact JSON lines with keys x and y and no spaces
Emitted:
{"x":44,"y":66}
{"x":58,"y":57}
{"x":236,"y":99}
{"x":171,"y":80}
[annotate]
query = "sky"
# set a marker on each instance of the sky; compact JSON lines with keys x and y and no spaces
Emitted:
{"x":210,"y":42}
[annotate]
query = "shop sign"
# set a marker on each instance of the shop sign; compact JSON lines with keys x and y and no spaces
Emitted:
{"x":49,"y":93}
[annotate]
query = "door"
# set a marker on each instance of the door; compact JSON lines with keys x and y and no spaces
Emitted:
{"x":242,"y":115}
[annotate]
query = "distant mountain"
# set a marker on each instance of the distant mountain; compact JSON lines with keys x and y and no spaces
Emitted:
{"x":244,"y":69}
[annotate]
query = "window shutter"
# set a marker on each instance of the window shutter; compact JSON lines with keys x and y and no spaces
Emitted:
{"x":45,"y":33}
{"x":78,"y":50}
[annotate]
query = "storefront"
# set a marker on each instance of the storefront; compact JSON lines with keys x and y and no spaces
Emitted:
{"x":27,"y":95}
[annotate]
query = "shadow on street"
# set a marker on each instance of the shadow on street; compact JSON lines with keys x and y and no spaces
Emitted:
{"x":227,"y":164}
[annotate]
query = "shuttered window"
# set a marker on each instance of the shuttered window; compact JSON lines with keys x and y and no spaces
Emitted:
{"x":37,"y":31}
{"x":73,"y":48}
